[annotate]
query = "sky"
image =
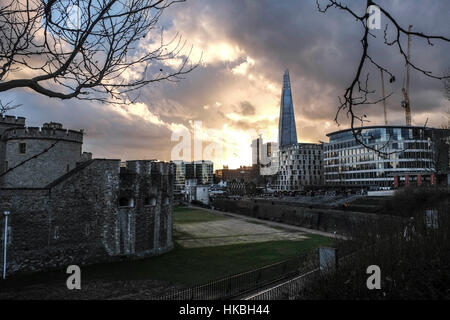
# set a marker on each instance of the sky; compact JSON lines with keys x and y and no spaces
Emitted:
{"x":234,"y":93}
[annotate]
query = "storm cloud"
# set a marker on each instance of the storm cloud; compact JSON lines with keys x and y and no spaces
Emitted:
{"x":246,"y":45}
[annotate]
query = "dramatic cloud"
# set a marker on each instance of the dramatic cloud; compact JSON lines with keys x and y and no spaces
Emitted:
{"x":245,"y":47}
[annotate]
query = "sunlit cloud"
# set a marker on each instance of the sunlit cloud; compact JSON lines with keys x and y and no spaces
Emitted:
{"x":243,"y":48}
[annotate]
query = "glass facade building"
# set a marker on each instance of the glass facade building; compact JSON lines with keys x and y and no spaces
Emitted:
{"x":407,"y":150}
{"x":201,"y":171}
{"x":287,"y":132}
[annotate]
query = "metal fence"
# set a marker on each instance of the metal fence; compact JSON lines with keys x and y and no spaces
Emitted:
{"x":287,"y":290}
{"x":238,"y":284}
{"x":291,"y":289}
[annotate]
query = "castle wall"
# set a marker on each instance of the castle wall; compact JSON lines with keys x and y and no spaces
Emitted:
{"x":7,"y":122}
{"x":78,"y":220}
{"x":28,"y":228}
{"x":328,"y":220}
{"x":151,"y":186}
{"x":64,"y":151}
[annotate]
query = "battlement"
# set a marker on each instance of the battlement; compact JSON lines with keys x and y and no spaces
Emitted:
{"x":12,"y":120}
{"x":44,"y":133}
{"x":149,"y":167}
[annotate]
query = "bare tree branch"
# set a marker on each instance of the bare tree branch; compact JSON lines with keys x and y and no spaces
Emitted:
{"x":447,"y":85}
{"x":357,"y":93}
{"x":91,"y":50}
{"x":5,"y":107}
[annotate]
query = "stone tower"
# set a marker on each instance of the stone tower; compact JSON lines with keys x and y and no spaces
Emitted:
{"x":287,"y":133}
{"x":34,"y":157}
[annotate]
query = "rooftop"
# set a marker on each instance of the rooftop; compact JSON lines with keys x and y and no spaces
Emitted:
{"x":379,"y":126}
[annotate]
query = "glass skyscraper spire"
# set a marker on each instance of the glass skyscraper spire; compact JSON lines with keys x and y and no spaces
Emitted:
{"x":287,"y":133}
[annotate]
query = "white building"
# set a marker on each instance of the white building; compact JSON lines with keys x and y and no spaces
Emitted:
{"x":300,"y":165}
{"x":202,"y":194}
{"x":196,"y":192}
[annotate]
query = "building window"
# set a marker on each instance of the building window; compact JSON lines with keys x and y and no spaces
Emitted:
{"x":150,"y":201}
{"x":126,"y":202}
{"x":22,"y":148}
{"x":6,"y":165}
{"x":67,"y":167}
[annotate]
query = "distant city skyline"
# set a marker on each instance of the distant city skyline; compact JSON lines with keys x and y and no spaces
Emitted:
{"x":246,"y":46}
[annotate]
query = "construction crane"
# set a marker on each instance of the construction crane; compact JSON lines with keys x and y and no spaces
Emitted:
{"x":384,"y":97}
{"x":406,"y":103}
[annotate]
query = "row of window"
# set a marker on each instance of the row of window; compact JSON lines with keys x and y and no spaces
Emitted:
{"x":385,"y":182}
{"x":309,"y":167}
{"x":381,"y":165}
{"x":357,"y":175}
{"x":297,"y":157}
{"x":418,"y":157}
{"x":300,"y":162}
{"x":301,"y":151}
{"x":365,"y":152}
{"x":299,"y":177}
{"x":372,"y":135}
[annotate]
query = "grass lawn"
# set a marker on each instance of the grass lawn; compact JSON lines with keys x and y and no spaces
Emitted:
{"x":198,"y":265}
{"x":188,"y":215}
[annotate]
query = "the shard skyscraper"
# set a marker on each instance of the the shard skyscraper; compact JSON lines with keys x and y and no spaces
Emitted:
{"x":287,"y":133}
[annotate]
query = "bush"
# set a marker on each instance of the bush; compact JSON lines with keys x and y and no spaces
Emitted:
{"x":414,"y":257}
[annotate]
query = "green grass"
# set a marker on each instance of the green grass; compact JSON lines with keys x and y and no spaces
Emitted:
{"x":188,"y":215}
{"x":198,"y":265}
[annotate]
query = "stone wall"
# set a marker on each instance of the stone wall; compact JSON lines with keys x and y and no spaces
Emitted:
{"x":341,"y":222}
{"x":78,"y":218}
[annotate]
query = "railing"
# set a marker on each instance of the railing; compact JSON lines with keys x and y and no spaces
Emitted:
{"x":291,"y":289}
{"x":287,"y":290}
{"x":234,"y":285}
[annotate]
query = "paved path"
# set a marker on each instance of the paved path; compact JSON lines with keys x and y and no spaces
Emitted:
{"x":274,"y":224}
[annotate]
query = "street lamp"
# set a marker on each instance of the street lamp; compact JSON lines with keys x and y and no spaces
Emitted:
{"x":5,"y":242}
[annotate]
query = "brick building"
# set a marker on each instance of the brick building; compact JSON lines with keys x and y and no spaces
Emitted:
{"x":243,"y":173}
